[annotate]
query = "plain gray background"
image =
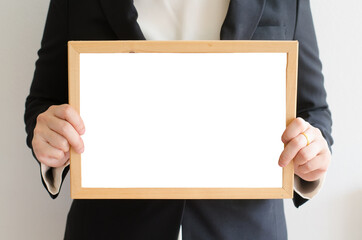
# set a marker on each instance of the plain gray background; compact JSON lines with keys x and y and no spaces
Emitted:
{"x":26,"y":210}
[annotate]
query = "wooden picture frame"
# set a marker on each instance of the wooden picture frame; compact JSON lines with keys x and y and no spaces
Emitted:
{"x":75,"y":48}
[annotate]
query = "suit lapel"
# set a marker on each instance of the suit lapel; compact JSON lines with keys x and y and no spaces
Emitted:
{"x":242,"y":19}
{"x":240,"y":22}
{"x":122,"y":16}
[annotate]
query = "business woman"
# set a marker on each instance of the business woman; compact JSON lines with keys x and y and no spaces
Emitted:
{"x":53,"y":126}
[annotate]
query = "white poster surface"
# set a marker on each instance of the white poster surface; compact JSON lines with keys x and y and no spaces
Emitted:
{"x":182,"y":120}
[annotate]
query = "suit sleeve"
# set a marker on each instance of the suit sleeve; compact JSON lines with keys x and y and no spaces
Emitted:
{"x":311,"y":102}
{"x":50,"y":80}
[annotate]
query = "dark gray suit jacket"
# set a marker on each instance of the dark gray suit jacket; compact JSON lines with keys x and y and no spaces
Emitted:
{"x":160,"y":219}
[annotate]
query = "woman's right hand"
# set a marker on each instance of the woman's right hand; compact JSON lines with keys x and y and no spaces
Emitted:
{"x":56,"y":130}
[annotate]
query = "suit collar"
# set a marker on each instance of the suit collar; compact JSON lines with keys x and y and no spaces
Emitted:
{"x":240,"y":22}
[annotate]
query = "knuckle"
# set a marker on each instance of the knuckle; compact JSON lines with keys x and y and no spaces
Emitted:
{"x":64,"y":128}
{"x":304,"y":154}
{"x":297,"y":142}
{"x":36,"y":131}
{"x":308,"y":167}
{"x":284,"y":138}
{"x":35,"y":142}
{"x":40,"y":118}
{"x":67,"y":110}
{"x":302,"y":170}
{"x":37,"y":146}
{"x":59,"y":155}
{"x":51,"y":108}
{"x":41,"y":156}
{"x":64,"y":145}
{"x":300,"y":122}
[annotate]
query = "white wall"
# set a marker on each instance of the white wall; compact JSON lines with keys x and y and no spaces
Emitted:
{"x":26,"y":210}
{"x":336,"y":213}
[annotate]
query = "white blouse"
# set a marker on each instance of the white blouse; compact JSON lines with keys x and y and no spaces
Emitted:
{"x":180,"y":20}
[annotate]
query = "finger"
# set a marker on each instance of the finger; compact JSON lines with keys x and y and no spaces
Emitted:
{"x":48,"y":154}
{"x":296,"y":127}
{"x":294,"y":146}
{"x":312,"y":176}
{"x":56,"y":140}
{"x":320,"y":162}
{"x":307,"y":153}
{"x":66,"y":130}
{"x":291,"y":150}
{"x":68,"y":113}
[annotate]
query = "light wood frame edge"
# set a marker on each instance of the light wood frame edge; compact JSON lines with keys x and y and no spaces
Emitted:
{"x":74,"y":101}
{"x":77,"y":47}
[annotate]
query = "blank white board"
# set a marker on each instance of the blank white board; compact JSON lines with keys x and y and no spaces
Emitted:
{"x":182,"y":120}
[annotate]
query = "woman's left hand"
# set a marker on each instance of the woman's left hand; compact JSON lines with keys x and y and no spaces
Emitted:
{"x":311,"y":159}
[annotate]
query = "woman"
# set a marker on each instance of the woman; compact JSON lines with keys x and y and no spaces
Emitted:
{"x":53,"y":126}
